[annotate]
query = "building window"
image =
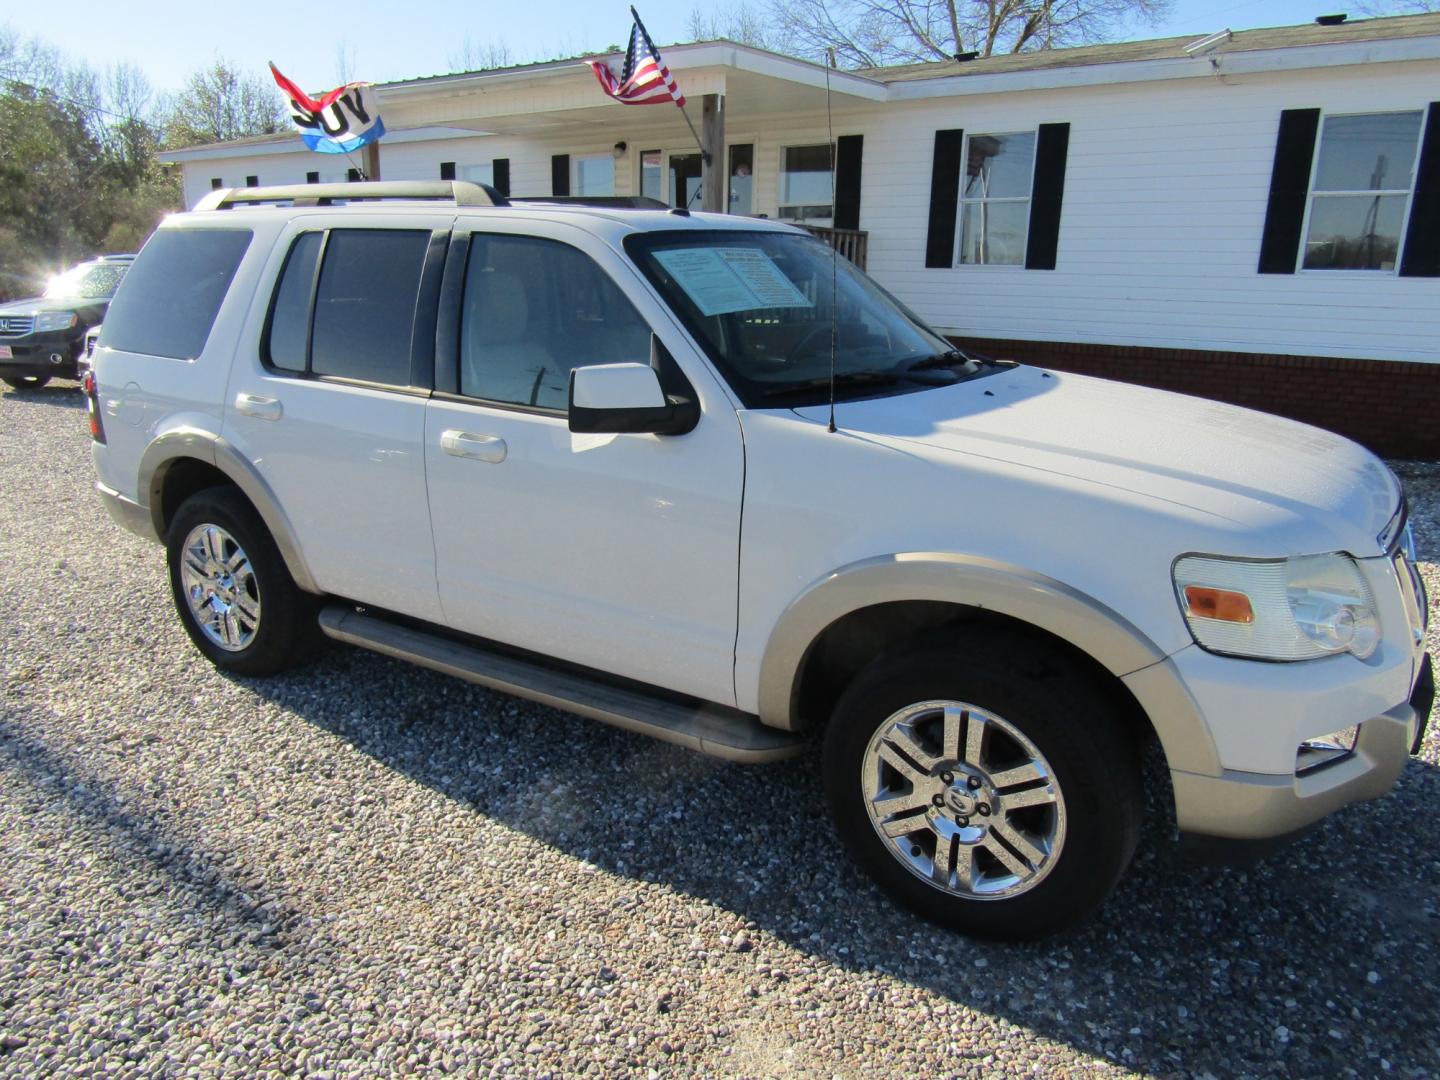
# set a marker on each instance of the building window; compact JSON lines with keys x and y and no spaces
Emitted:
{"x":995,"y":198}
{"x":353,"y":175}
{"x":216,"y":183}
{"x":447,"y":170}
{"x":479,"y":174}
{"x":805,"y":191}
{"x":742,"y":179}
{"x":312,"y":178}
{"x":594,"y":175}
{"x":1360,"y":190}
{"x":252,"y":181}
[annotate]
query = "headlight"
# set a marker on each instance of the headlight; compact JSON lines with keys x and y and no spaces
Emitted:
{"x":56,"y":320}
{"x":1278,"y":609}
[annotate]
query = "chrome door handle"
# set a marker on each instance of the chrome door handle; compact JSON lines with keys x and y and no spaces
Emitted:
{"x":263,"y":408}
{"x":466,"y":444}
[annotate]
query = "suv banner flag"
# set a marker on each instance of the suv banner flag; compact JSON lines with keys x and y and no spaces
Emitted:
{"x":339,"y":121}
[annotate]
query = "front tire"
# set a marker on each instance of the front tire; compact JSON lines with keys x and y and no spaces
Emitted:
{"x":27,"y":382}
{"x":232,"y":590}
{"x":983,"y":780}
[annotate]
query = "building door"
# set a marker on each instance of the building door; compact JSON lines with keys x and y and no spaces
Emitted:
{"x":685,"y":181}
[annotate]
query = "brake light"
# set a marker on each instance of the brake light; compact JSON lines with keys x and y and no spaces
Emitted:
{"x":92,"y":405}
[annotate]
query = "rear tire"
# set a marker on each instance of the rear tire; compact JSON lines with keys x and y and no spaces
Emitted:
{"x":27,"y":382}
{"x":232,"y":590}
{"x":982,"y":779}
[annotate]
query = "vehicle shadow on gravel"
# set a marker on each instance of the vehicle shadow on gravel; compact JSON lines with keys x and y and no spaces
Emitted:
{"x":1319,"y":959}
{"x":63,"y":393}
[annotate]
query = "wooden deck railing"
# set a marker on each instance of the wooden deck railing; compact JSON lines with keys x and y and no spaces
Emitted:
{"x":852,"y":243}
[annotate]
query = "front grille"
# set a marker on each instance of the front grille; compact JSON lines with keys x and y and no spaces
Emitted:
{"x":15,"y":325}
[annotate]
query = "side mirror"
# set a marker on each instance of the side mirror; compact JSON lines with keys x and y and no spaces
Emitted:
{"x":626,"y":399}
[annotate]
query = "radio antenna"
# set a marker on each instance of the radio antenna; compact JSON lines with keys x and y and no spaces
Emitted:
{"x":834,"y":251}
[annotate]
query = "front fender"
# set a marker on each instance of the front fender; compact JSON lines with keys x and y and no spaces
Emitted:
{"x":1029,"y":597}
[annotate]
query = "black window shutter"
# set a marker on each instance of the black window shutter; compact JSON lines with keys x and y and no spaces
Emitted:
{"x":560,"y":174}
{"x":447,"y":170}
{"x":501,"y":175}
{"x":1422,"y":238}
{"x":849,"y":149}
{"x":944,"y":198}
{"x":1289,"y":188}
{"x":1051,"y":147}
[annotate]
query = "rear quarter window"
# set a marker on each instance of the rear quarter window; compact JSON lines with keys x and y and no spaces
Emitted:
{"x":168,"y":301}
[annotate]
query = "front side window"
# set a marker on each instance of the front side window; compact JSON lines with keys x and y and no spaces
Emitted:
{"x":594,"y":175}
{"x":995,"y":198}
{"x":362,"y":316}
{"x":173,"y":291}
{"x":805,"y":192}
{"x":766,"y":306}
{"x":1360,"y":188}
{"x":534,"y":309}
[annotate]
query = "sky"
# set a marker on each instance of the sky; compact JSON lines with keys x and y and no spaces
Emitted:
{"x":385,"y":39}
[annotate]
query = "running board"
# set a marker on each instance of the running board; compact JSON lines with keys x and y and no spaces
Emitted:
{"x":711,"y":729}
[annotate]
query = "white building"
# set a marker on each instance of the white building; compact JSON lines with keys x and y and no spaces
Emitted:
{"x":1256,"y":220}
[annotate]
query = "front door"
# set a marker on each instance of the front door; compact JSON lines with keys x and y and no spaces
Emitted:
{"x":616,"y":552}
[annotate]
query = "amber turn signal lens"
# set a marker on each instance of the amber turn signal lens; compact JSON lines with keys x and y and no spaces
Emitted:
{"x":1219,"y":604}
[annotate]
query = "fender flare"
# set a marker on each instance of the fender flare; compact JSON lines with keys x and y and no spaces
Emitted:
{"x":1097,"y":630}
{"x":212,"y":449}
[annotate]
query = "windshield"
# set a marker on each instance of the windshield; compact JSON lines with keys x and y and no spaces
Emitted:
{"x":88,"y":281}
{"x":765,"y":305}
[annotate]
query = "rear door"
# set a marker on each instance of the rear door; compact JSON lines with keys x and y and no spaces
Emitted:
{"x":617,"y":552}
{"x":331,"y":405}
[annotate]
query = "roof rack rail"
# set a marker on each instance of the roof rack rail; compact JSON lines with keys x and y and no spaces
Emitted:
{"x":461,"y":192}
{"x":608,"y":202}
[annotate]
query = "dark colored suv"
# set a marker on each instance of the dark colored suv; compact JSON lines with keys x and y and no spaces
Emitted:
{"x":43,"y":338}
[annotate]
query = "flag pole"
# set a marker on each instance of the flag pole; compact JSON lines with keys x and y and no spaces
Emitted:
{"x":704,"y":154}
{"x":699,"y":143}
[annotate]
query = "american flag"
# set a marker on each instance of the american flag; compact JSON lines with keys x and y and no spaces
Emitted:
{"x":645,"y":80}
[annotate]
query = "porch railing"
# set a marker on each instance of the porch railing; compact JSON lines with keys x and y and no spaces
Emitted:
{"x":852,"y":243}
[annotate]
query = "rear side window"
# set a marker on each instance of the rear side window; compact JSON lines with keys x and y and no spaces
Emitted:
{"x":290,"y":317}
{"x":169,"y":299}
{"x":365,"y":304}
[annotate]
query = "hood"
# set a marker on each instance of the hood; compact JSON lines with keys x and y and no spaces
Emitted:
{"x":1283,"y":487}
{"x":38,"y":304}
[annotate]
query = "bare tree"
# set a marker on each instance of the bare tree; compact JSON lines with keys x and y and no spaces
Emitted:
{"x":872,"y":33}
{"x":741,"y":22}
{"x":344,"y":62}
{"x":1398,"y":7}
{"x":480,"y":55}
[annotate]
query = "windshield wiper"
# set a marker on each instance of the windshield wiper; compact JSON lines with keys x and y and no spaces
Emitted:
{"x":951,"y":358}
{"x":844,"y":380}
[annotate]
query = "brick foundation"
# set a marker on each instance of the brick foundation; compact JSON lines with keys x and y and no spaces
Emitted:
{"x":1391,"y":406}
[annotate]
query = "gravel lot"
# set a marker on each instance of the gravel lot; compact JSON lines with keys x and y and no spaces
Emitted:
{"x":366,"y":867}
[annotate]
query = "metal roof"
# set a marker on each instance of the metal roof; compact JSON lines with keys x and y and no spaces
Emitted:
{"x":1276,"y":37}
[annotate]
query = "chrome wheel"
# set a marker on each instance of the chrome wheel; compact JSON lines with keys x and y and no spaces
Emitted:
{"x":220,"y":587}
{"x":963,"y":800}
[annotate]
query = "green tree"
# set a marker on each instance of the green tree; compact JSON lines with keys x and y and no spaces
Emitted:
{"x":218,"y":104}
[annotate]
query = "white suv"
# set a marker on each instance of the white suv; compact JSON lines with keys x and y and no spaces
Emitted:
{"x":586,"y":455}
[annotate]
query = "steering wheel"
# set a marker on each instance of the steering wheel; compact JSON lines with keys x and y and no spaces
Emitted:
{"x":810,"y":335}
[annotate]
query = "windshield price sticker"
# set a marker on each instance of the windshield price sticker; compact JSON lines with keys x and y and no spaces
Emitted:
{"x":721,"y":280}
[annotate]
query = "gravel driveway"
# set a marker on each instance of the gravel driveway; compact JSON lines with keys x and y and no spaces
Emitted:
{"x":365,"y":867}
